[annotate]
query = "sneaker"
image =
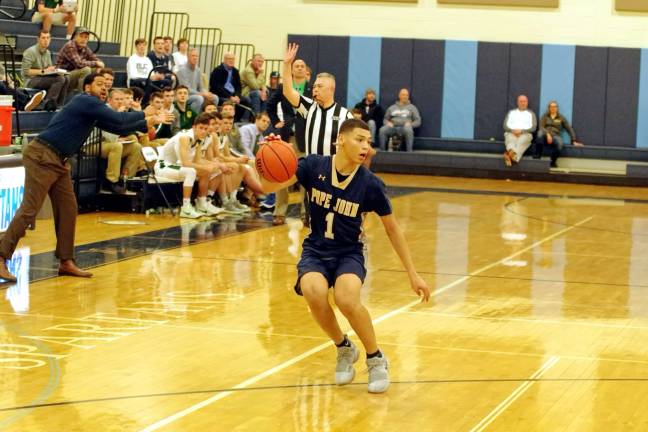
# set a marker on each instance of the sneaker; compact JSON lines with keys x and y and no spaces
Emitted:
{"x":188,"y":211}
{"x":241,"y":206}
{"x":269,"y":201}
{"x":229,"y":207}
{"x":115,"y":188}
{"x":378,"y":374}
{"x":35,"y":100}
{"x":208,"y":209}
{"x":344,"y":371}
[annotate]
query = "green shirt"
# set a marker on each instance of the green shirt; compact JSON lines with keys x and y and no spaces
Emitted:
{"x":33,"y":58}
{"x":300,"y":87}
{"x":51,"y":4}
{"x":186,"y":117}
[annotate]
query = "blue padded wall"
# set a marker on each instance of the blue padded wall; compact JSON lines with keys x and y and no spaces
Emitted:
{"x":427,"y":84}
{"x":491,"y":103}
{"x":590,"y":87}
{"x":333,"y":57}
{"x":622,"y":97}
{"x":395,"y":69}
{"x":308,"y":48}
{"x":524,"y":74}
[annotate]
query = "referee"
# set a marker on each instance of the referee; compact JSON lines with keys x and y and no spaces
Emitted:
{"x":47,"y":171}
{"x":323,"y":115}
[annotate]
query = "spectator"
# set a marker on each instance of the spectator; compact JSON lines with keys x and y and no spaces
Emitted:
{"x":76,"y":58}
{"x":186,"y":115}
{"x":356,"y":113}
{"x":168,"y":50}
{"x":253,"y":81}
{"x":372,"y":112}
{"x":400,"y":119}
{"x":115,"y":148}
{"x":40,"y":73}
{"x":109,"y":77}
{"x":552,"y":124}
{"x":168,"y":105}
{"x":22,"y":100}
{"x":252,"y":134}
{"x":273,"y":84}
{"x":139,"y":65}
{"x":210,"y":107}
{"x":53,"y":12}
{"x":190,"y":76}
{"x":225,"y":82}
{"x":180,"y":56}
{"x":130,"y":103}
{"x":158,"y":55}
{"x":231,"y":132}
{"x":158,"y":133}
{"x":519,"y":125}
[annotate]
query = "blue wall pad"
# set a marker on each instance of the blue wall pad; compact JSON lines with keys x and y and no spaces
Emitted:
{"x":308,"y":48}
{"x":364,"y":68}
{"x":395,"y":69}
{"x":622,"y":97}
{"x":590,"y":87}
{"x":491,"y":100}
{"x":333,"y":57}
{"x":642,"y":110}
{"x":557,"y":81}
{"x":524,"y":74}
{"x":427,"y":84}
{"x":459,"y":88}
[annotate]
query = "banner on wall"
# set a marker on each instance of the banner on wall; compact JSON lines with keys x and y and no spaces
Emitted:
{"x":12,"y":189}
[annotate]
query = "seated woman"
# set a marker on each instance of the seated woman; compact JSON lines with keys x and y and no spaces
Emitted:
{"x":551,"y":126}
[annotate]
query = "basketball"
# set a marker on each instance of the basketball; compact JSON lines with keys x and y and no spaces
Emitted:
{"x":276,"y":161}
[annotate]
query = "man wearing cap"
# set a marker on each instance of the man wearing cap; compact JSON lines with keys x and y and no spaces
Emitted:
{"x":47,"y":171}
{"x":273,"y":85}
{"x":79,"y":60}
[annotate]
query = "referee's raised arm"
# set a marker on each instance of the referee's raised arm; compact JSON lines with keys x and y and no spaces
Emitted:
{"x":289,"y":92}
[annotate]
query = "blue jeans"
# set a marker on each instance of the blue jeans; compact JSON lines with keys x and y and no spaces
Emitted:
{"x":258,"y":105}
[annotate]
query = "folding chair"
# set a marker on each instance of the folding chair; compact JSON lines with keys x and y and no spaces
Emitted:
{"x":150,"y":156}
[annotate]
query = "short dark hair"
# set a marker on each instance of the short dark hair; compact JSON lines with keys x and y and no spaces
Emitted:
{"x":156,"y":38}
{"x":356,"y":111}
{"x":107,"y":70}
{"x":140,"y":41}
{"x":182,"y":87}
{"x":207,"y":103}
{"x":90,"y":79}
{"x":42,"y":32}
{"x":203,"y":118}
{"x":167,"y":89}
{"x":215,"y":115}
{"x":157,"y":95}
{"x":260,"y":115}
{"x":351,"y":124}
{"x":228,"y":102}
{"x":181,"y":40}
{"x":166,"y":38}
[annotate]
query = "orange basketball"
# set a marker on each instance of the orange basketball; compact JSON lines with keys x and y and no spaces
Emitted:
{"x":276,"y":161}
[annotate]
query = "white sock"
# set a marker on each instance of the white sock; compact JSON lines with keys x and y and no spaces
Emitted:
{"x":233,"y":196}
{"x":223,"y":197}
{"x":68,"y":37}
{"x":202,"y":201}
{"x":186,"y":201}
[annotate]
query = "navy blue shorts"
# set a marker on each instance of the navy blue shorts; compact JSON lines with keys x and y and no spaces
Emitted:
{"x":330,"y":268}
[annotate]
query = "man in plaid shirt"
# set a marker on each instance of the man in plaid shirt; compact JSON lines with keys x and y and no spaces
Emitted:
{"x":79,"y":60}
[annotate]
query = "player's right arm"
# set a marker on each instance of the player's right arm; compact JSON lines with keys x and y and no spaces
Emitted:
{"x":269,"y":187}
{"x":185,"y":160}
{"x":289,"y":92}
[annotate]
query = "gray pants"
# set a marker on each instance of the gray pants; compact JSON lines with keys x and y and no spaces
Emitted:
{"x":196,"y":102}
{"x":518,"y":144}
{"x":387,"y":131}
{"x":56,"y":87}
{"x":372,"y":129}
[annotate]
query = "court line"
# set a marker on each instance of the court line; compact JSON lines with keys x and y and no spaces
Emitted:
{"x":180,"y":414}
{"x":499,"y":409}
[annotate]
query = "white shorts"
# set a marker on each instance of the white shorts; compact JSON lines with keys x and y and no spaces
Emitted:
{"x":58,"y":18}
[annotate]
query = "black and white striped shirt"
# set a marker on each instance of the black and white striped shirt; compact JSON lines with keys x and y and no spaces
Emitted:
{"x":322,"y":125}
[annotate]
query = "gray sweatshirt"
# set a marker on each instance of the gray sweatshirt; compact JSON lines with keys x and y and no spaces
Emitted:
{"x":401,"y":114}
{"x":191,"y":78}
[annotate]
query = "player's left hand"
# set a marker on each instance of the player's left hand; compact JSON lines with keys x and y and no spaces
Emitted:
{"x":420,"y":287}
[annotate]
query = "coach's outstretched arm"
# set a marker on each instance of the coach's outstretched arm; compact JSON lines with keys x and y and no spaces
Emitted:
{"x":289,"y":92}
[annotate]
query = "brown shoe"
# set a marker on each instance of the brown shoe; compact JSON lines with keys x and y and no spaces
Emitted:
{"x":69,"y":268}
{"x":278,"y":220}
{"x":4,"y":272}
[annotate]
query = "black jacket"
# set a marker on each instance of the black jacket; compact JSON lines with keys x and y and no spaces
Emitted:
{"x":290,"y":116}
{"x":217,"y":81}
{"x":371,"y":112}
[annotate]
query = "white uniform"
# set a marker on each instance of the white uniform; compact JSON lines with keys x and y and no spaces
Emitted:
{"x":169,"y":164}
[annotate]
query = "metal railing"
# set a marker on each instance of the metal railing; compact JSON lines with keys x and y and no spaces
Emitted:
{"x":12,"y":9}
{"x":206,"y":39}
{"x":272,"y":65}
{"x":167,"y":24}
{"x":86,"y":172}
{"x":242,"y":52}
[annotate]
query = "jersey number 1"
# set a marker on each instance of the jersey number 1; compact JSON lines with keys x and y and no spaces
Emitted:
{"x":329,"y":226}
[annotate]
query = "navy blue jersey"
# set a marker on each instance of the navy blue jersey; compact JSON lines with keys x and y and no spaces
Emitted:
{"x":337,"y":206}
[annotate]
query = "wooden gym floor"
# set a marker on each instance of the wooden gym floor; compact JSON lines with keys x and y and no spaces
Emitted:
{"x":538,"y":320}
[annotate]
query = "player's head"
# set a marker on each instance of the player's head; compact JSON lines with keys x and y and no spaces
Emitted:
{"x":354,"y":140}
{"x":157,"y":100}
{"x":201,"y":126}
{"x":324,"y":89}
{"x":227,"y":123}
{"x":210,"y":107}
{"x":214,"y":122}
{"x":228,"y":108}
{"x":169,"y":96}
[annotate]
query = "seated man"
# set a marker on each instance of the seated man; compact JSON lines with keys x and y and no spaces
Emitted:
{"x":181,"y":159}
{"x":139,"y":66}
{"x":160,"y":59}
{"x":225,"y":82}
{"x":252,"y":134}
{"x":253,"y":81}
{"x":519,"y":125}
{"x":400,"y":119}
{"x":115,"y":148}
{"x":189,"y":75}
{"x":233,"y":134}
{"x":550,"y":130}
{"x":109,"y":77}
{"x":186,"y":115}
{"x":372,"y":112}
{"x":158,"y":134}
{"x":40,"y":73}
{"x":76,"y":58}
{"x":54,"y":12}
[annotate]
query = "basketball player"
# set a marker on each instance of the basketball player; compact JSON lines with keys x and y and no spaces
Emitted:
{"x":341,"y":191}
